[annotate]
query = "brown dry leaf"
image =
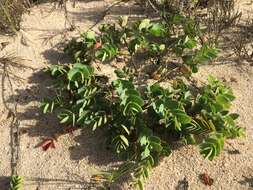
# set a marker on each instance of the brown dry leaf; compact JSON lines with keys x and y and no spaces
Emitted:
{"x":156,"y":76}
{"x":185,"y":70}
{"x":206,"y":179}
{"x":232,"y":79}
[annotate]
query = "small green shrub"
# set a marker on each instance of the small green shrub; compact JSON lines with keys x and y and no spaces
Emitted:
{"x":140,"y":124}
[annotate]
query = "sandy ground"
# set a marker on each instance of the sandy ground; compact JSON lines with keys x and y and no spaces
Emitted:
{"x":77,"y":157}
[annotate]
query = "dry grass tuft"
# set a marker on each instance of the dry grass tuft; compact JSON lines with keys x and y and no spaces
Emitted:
{"x":10,"y":14}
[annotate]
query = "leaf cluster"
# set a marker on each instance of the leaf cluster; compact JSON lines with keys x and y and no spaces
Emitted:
{"x":177,"y":36}
{"x":16,"y":183}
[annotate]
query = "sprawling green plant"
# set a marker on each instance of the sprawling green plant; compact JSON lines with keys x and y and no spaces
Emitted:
{"x":140,"y":124}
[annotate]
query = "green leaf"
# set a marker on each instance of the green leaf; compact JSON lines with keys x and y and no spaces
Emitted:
{"x":155,"y":139}
{"x":135,"y":99}
{"x":177,"y":124}
{"x":67,"y":116}
{"x":182,"y":116}
{"x":140,"y":185}
{"x":205,"y":53}
{"x":125,"y":129}
{"x":90,"y":35}
{"x":48,"y":105}
{"x":222,"y":100}
{"x":95,"y":125}
{"x":177,"y":19}
{"x":143,"y":140}
{"x":156,"y":146}
{"x":56,"y":70}
{"x":120,"y":73}
{"x":135,"y":44}
{"x":106,"y":52}
{"x":234,"y":116}
{"x":189,"y":139}
{"x":189,"y":43}
{"x":124,"y":139}
{"x":144,"y":24}
{"x":145,"y":153}
{"x":80,"y":71}
{"x":132,"y":108}
{"x":157,"y":29}
{"x":64,"y":119}
{"x":189,"y":28}
{"x":46,"y":108}
{"x":16,"y":183}
{"x":123,"y":20}
{"x":212,"y":146}
{"x":162,"y":47}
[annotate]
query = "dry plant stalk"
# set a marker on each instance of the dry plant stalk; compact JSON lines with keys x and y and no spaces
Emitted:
{"x":243,"y":41}
{"x":221,"y":14}
{"x":10,"y":14}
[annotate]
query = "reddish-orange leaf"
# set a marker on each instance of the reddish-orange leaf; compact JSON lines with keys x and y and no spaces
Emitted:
{"x":47,"y":143}
{"x":46,"y":146}
{"x":206,"y":179}
{"x":98,"y":44}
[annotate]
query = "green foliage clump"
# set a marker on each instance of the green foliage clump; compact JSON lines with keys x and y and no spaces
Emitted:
{"x":16,"y":183}
{"x":140,"y":124}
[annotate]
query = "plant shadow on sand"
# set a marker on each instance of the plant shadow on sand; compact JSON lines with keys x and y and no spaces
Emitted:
{"x":46,"y":125}
{"x":247,"y":181}
{"x":85,"y":144}
{"x":4,"y":182}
